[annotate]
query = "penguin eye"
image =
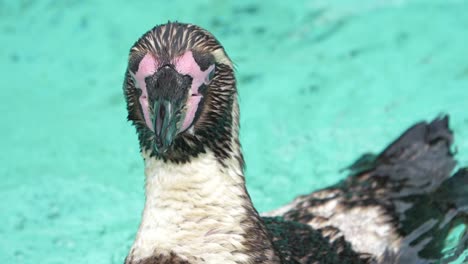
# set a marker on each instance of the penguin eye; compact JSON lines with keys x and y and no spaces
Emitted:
{"x":211,"y":74}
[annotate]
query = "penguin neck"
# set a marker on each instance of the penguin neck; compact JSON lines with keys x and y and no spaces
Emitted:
{"x":199,"y":211}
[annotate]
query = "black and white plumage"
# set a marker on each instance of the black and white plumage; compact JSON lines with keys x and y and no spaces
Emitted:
{"x":398,"y":206}
{"x":395,"y":207}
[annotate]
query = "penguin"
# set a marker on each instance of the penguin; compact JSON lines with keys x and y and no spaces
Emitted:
{"x":180,"y":90}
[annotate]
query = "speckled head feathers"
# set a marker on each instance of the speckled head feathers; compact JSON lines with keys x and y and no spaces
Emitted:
{"x":181,"y":93}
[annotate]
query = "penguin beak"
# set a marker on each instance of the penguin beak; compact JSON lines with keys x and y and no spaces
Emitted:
{"x":165,"y":125}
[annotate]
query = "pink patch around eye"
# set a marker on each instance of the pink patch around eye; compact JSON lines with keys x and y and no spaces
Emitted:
{"x":147,"y":67}
{"x":186,"y":64}
{"x":192,"y":106}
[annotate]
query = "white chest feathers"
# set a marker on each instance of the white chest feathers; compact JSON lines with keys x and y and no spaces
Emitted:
{"x":194,"y":210}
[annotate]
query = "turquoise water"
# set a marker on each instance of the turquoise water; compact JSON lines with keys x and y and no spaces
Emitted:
{"x":320,"y":83}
